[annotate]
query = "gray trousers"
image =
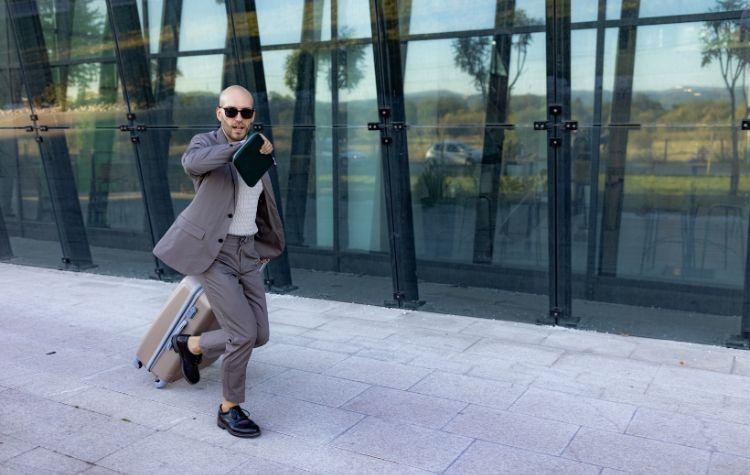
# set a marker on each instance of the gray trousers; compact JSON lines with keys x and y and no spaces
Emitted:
{"x":234,"y":288}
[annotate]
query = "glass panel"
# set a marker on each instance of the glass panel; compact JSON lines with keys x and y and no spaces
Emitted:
{"x":429,"y":16}
{"x":673,"y":7}
{"x":78,"y":30}
{"x":440,"y":88}
{"x":281,"y":21}
{"x":25,"y":201}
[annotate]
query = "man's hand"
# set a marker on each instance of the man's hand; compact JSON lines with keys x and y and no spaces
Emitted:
{"x":267,"y":147}
{"x":264,"y":260}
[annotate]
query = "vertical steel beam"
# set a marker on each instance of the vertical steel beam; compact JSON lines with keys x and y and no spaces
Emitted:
{"x":40,"y":87}
{"x":389,"y":79}
{"x":492,"y":151}
{"x":133,"y":65}
{"x":558,"y":162}
{"x":596,"y":137}
{"x":247,"y":47}
{"x":617,"y":148}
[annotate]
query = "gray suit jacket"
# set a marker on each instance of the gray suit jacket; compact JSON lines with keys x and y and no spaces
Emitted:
{"x":193,"y":241}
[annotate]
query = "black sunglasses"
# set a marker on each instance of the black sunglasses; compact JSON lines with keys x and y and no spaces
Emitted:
{"x":246,"y":113}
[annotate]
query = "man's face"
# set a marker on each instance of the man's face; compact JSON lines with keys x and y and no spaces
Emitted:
{"x":235,"y":127}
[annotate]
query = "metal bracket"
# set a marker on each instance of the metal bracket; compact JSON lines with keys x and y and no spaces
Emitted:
{"x":140,"y":128}
{"x":29,"y":128}
{"x":130,"y":116}
{"x":746,"y":124}
{"x":373,"y":126}
{"x":39,"y":139}
{"x":43,"y":128}
{"x":135,"y":139}
{"x":66,"y":260}
{"x":541,"y":125}
{"x":384,"y":111}
{"x":386,"y":140}
{"x":555,"y":142}
{"x":399,"y":126}
{"x":258,"y":127}
{"x":571,"y":125}
{"x":555,"y":109}
{"x":34,"y":117}
{"x":125,"y":128}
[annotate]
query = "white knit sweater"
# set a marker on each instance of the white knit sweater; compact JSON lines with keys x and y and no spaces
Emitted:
{"x":246,"y":208}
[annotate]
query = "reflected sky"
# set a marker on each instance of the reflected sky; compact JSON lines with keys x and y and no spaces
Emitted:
{"x":668,"y":56}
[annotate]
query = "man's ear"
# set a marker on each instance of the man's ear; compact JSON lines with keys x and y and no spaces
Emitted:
{"x":218,"y":114}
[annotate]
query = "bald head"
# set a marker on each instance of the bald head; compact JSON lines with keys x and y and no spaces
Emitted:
{"x":234,"y":99}
{"x":234,"y":95}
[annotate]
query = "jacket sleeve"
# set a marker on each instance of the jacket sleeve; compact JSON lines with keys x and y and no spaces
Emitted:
{"x":200,"y":157}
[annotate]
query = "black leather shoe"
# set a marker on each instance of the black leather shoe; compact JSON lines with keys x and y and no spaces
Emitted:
{"x":236,"y":422}
{"x":189,"y":361}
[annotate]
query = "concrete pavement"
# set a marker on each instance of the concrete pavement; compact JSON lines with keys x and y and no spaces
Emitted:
{"x":348,"y":388}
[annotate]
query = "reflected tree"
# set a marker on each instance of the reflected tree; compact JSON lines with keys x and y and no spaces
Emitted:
{"x":725,"y":44}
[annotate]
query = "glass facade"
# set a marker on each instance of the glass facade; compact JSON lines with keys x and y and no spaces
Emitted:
{"x":574,"y":162}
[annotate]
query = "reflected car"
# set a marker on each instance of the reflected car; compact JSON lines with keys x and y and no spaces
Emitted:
{"x":452,"y":153}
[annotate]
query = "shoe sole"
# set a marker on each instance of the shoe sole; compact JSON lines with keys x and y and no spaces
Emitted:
{"x":182,"y":367}
{"x":235,"y":433}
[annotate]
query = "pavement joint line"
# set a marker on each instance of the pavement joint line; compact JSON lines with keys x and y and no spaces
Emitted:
{"x":570,"y":441}
{"x":442,"y":427}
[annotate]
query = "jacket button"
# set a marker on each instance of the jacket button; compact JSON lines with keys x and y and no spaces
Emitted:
{"x":230,"y":215}
{"x":221,"y":240}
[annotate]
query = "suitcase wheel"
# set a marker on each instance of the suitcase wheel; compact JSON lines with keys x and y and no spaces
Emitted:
{"x":158,"y":384}
{"x":137,"y":363}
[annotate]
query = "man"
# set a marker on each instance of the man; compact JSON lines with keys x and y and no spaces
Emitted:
{"x":226,"y":233}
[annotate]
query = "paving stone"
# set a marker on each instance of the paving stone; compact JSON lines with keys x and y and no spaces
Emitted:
{"x":366,"y":370}
{"x":581,"y":341}
{"x":702,"y":433}
{"x":685,"y":354}
{"x":515,"y":352}
{"x":508,"y":331}
{"x":10,"y":447}
{"x":394,"y":356}
{"x":313,"y":387}
{"x":516,"y":430}
{"x":576,"y":410}
{"x":434,"y":339}
{"x":82,"y":434}
{"x":169,"y":452}
{"x":723,"y":464}
{"x":98,"y":470}
{"x":741,"y":366}
{"x":125,"y":407}
{"x":298,"y":317}
{"x":366,"y":312}
{"x":299,"y":358}
{"x":359,"y":327}
{"x":259,"y":466}
{"x":441,"y":363}
{"x":43,"y":461}
{"x":435,"y":321}
{"x":293,"y":302}
{"x":318,"y":458}
{"x":469,"y":389}
{"x":610,"y":367}
{"x":402,"y":443}
{"x":485,"y":457}
{"x":335,"y":346}
{"x":403,"y":406}
{"x":635,"y":454}
{"x":707,"y":381}
{"x":311,"y":422}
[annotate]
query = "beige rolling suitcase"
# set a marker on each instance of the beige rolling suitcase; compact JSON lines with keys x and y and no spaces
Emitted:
{"x":186,"y":311}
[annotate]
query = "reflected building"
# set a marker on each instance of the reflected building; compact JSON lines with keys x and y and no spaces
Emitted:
{"x":578,"y":163}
